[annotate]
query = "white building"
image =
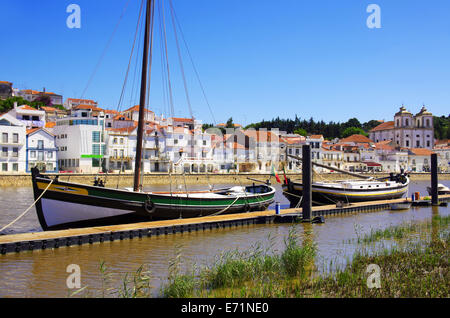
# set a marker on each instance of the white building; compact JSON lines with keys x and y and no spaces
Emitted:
{"x":13,"y":145}
{"x":41,"y":150}
{"x":80,"y":139}
{"x":419,"y":160}
{"x":31,"y":117}
{"x":407,"y":130}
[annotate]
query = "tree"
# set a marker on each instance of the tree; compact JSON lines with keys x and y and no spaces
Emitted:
{"x":230,"y":123}
{"x":300,"y":131}
{"x":353,"y":131}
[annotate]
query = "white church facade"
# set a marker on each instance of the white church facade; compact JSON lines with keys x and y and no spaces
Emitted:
{"x":407,"y":130}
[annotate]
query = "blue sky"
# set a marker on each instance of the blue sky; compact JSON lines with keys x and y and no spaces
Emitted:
{"x":257,"y":59}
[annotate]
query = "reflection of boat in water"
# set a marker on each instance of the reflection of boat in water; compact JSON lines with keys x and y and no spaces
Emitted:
{"x":62,"y":205}
{"x":442,"y":189}
{"x":332,"y":192}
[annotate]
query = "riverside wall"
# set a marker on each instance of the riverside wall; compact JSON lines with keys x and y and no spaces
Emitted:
{"x":126,"y":180}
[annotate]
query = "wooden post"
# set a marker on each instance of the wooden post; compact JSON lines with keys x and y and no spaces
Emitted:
{"x":434,"y":180}
{"x":307,"y":180}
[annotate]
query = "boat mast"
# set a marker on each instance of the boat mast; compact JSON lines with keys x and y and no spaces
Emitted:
{"x":140,"y":131}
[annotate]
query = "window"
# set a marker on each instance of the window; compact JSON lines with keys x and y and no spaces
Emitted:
{"x":15,"y":152}
{"x":5,"y":138}
{"x":95,"y":136}
{"x":121,"y":153}
{"x":16,"y":138}
{"x":407,"y":143}
{"x":417,"y":143}
{"x":95,"y":162}
{"x":4,"y":151}
{"x":204,"y":142}
{"x":35,"y":118}
{"x":428,"y":143}
{"x":41,"y":156}
{"x":115,"y":141}
{"x":4,"y":166}
{"x":50,"y":155}
{"x":32,"y":154}
{"x":407,"y":122}
{"x":428,"y":123}
{"x":15,"y":167}
{"x":40,"y":144}
{"x":115,"y":153}
{"x":96,"y":149}
{"x":121,"y":141}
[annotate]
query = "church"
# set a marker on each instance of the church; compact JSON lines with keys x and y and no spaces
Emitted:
{"x":407,"y":130}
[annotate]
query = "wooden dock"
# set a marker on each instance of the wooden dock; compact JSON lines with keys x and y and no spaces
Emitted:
{"x":56,"y":239}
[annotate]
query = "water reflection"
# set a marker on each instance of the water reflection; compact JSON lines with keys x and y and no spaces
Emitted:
{"x":43,"y":273}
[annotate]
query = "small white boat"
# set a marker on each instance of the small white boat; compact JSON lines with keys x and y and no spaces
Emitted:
{"x":442,"y":189}
{"x":405,"y":205}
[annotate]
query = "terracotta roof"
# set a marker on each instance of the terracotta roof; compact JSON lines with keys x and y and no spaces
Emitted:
{"x":420,"y":151}
{"x":261,"y":136}
{"x":91,"y":107}
{"x":356,"y":139}
{"x":29,"y":91}
{"x":26,"y":107}
{"x":292,"y":140}
{"x":49,"y":109}
{"x":50,"y":124}
{"x":81,"y":101}
{"x":5,"y":82}
{"x":123,"y":130}
{"x":185,"y":120}
{"x":33,"y":130}
{"x":315,"y":136}
{"x":136,"y":109}
{"x":384,"y":145}
{"x":384,"y":126}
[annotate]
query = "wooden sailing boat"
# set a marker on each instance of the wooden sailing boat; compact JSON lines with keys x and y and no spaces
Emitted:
{"x":346,"y":191}
{"x":62,"y":205}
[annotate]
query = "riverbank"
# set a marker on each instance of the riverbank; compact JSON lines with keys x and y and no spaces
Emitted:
{"x":408,"y":268}
{"x":126,"y":180}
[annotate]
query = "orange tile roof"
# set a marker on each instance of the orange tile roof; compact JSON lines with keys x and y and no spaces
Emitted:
{"x":384,"y":126}
{"x":91,"y":107}
{"x":50,"y":124}
{"x":26,"y":107}
{"x":124,"y":129}
{"x":421,"y":151}
{"x":85,"y":101}
{"x":32,"y":130}
{"x":316,"y":136}
{"x":49,"y":109}
{"x":29,"y":91}
{"x":136,"y":109}
{"x":261,"y":136}
{"x":356,"y":139}
{"x":186,"y":120}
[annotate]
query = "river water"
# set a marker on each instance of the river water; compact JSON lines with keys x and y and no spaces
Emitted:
{"x":43,"y":273}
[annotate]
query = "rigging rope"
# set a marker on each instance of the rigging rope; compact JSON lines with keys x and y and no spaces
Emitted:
{"x":105,"y":49}
{"x":20,"y":216}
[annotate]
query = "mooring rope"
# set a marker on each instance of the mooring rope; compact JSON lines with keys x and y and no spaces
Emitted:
{"x":20,"y":216}
{"x":221,"y":211}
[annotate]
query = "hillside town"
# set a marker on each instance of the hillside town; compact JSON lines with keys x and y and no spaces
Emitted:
{"x":82,"y":137}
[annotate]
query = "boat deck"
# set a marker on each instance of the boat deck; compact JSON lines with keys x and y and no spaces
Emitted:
{"x":57,"y":239}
